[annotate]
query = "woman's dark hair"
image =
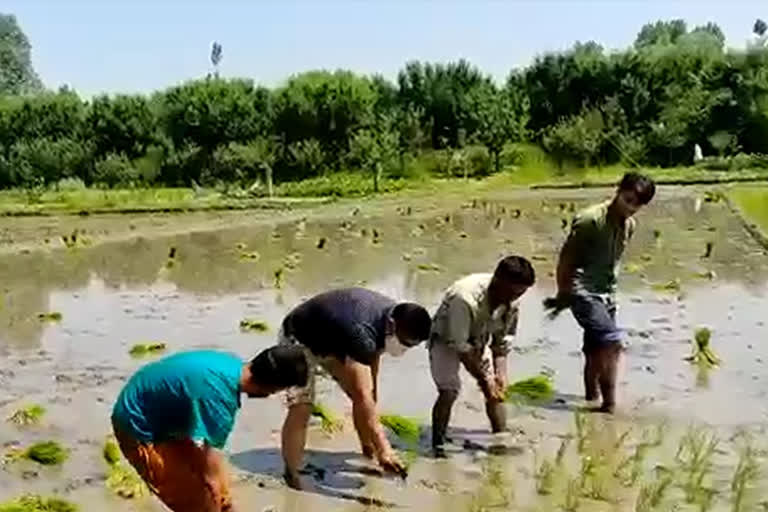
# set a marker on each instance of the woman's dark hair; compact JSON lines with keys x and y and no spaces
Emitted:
{"x":641,"y":184}
{"x":281,"y":366}
{"x":413,"y":319}
{"x":517,"y":270}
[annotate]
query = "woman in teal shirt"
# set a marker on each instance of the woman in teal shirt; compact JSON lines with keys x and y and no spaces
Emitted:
{"x":174,"y":414}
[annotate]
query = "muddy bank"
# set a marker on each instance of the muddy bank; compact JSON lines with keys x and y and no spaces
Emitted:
{"x":121,"y":291}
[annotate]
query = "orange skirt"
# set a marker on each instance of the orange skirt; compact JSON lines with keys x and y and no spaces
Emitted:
{"x":174,"y":471}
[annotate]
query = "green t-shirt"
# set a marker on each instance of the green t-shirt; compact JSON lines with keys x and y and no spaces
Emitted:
{"x":597,"y":249}
{"x":190,"y":395}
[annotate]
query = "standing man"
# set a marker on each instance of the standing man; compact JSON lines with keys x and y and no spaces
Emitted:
{"x":470,"y":328}
{"x":174,"y":415}
{"x":586,"y":281}
{"x":345,"y":332}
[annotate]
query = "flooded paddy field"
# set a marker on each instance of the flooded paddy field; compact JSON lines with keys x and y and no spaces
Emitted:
{"x":684,"y":434}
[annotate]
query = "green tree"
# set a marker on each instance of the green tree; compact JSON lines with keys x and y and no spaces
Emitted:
{"x":212,"y":113}
{"x":324,"y":106}
{"x":17,"y":76}
{"x":497,"y":118}
{"x":577,"y":138}
{"x":375,"y":147}
{"x":122,"y":124}
{"x":661,"y":32}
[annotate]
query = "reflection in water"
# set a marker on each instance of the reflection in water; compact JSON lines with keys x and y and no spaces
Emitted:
{"x":382,"y":253}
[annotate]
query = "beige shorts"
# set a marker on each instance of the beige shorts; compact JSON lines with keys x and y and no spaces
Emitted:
{"x":444,"y":363}
{"x":316,"y":367}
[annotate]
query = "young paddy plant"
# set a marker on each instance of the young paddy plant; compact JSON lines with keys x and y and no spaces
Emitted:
{"x":26,"y":416}
{"x":47,"y":453}
{"x":744,"y":478}
{"x":330,"y":422}
{"x":147,"y":349}
{"x":652,"y":494}
{"x":36,"y":503}
{"x":694,"y":458}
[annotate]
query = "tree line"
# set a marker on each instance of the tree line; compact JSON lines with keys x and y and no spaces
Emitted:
{"x":647,"y":105}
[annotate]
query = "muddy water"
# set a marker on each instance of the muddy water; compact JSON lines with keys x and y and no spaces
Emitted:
{"x":117,"y":294}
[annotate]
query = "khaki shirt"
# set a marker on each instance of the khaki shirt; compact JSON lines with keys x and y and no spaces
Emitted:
{"x":465,"y":322}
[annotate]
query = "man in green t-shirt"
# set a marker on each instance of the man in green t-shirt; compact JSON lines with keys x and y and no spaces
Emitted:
{"x":586,"y":280}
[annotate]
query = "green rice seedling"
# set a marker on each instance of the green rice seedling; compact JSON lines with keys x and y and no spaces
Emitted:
{"x":572,"y":498}
{"x":251,"y":256}
{"x":533,"y":390}
{"x":582,"y":430}
{"x":708,"y":250}
{"x":125,"y":482}
{"x":36,"y":503}
{"x":672,"y":286}
{"x":111,"y":452}
{"x":652,"y":494}
{"x":47,"y":453}
{"x":147,"y":349}
{"x":330,"y":422}
{"x":278,"y":277}
{"x":406,"y":429}
{"x":501,"y":488}
{"x":702,"y":351}
{"x":744,"y":479}
{"x":632,"y":268}
{"x":53,"y":316}
{"x":631,"y":469}
{"x":29,"y":415}
{"x":429,"y":267}
{"x":545,"y":477}
{"x":250,"y":324}
{"x":694,"y":456}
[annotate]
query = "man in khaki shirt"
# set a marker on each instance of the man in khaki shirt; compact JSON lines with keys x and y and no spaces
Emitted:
{"x":470,"y":328}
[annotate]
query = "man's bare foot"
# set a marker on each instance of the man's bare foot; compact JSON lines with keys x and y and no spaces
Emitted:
{"x":368,"y":452}
{"x":607,"y":408}
{"x":292,"y":480}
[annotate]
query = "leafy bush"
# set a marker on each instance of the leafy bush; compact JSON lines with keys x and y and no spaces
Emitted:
{"x":115,"y":170}
{"x":49,"y":160}
{"x":737,"y":162}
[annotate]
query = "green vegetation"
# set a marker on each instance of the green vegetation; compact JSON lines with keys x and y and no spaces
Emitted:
{"x":111,"y":452}
{"x":250,"y":324}
{"x":47,"y":453}
{"x":29,"y":415}
{"x":53,"y":316}
{"x":147,"y":349}
{"x":702,"y":351}
{"x":646,"y":106}
{"x":753,"y":203}
{"x":330,"y":422}
{"x":406,"y":429}
{"x":125,"y":482}
{"x":534,"y":389}
{"x":35,"y":503}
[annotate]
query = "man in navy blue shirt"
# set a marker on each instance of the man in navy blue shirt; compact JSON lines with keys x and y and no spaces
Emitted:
{"x":345,"y":332}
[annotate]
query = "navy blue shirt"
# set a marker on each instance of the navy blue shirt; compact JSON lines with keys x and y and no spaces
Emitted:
{"x":349,"y":322}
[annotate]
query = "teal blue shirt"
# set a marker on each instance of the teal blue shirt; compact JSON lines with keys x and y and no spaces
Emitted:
{"x":193,"y":395}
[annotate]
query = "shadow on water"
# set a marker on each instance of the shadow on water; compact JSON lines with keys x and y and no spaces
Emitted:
{"x":327,"y":473}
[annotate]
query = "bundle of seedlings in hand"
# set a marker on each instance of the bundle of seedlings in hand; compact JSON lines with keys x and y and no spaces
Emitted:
{"x":330,"y":422}
{"x":702,"y":351}
{"x":534,"y":390}
{"x":406,"y":429}
{"x":553,"y":306}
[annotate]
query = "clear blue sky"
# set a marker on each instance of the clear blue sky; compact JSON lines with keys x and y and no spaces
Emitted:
{"x":140,"y":45}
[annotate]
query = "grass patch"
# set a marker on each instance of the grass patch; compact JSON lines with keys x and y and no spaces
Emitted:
{"x":35,"y":503}
{"x":252,"y":325}
{"x":753,"y":203}
{"x":147,"y":349}
{"x":53,"y":316}
{"x":533,"y":390}
{"x":29,"y":415}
